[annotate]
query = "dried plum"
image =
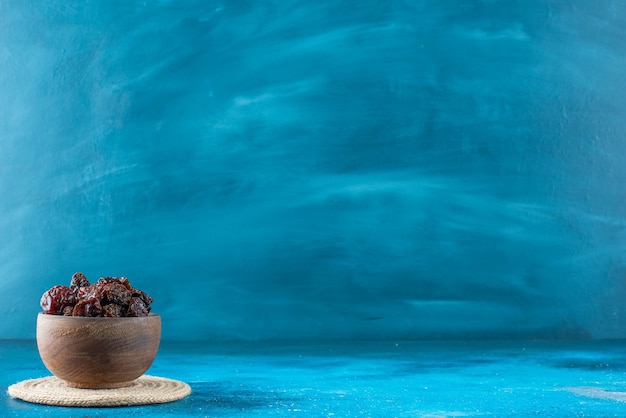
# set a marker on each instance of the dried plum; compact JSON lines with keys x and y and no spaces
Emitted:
{"x":119,"y":280}
{"x":147,"y":299}
{"x":55,"y":299}
{"x":110,"y":296}
{"x":79,"y":280}
{"x":88,"y":307}
{"x":86,"y":292}
{"x":115,"y":293}
{"x":112,"y":310}
{"x":137,"y":307}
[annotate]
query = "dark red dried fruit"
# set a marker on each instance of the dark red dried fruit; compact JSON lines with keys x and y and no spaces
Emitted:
{"x":147,"y":299}
{"x":110,"y":296}
{"x":112,"y":310}
{"x":137,"y":307}
{"x":88,"y":307}
{"x":78,"y":280}
{"x":55,"y":299}
{"x":86,"y":292}
{"x":119,"y":280}
{"x":115,"y":293}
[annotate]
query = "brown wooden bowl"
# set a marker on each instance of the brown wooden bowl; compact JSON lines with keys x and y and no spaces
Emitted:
{"x":98,"y":352}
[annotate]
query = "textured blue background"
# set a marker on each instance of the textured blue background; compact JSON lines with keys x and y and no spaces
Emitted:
{"x":340,"y":169}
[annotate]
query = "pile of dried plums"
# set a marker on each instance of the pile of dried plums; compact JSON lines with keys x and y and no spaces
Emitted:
{"x":110,"y":296}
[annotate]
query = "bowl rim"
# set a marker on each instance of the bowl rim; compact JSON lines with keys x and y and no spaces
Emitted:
{"x":96,"y":317}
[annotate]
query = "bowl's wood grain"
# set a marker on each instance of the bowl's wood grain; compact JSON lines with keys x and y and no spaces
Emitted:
{"x":98,"y":352}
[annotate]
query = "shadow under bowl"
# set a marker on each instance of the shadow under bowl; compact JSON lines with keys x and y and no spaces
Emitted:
{"x":98,"y":352}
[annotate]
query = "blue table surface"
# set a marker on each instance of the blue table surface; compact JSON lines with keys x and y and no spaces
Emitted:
{"x":378,"y":379}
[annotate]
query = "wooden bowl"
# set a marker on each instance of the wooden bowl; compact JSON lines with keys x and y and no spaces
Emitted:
{"x":98,"y":352}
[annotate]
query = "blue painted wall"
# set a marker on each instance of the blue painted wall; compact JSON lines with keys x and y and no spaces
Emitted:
{"x":340,"y":169}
